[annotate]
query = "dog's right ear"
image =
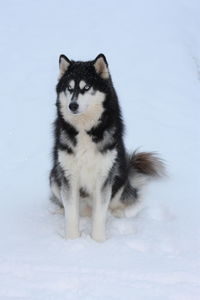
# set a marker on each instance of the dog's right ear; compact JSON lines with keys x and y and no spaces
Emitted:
{"x":64,"y":64}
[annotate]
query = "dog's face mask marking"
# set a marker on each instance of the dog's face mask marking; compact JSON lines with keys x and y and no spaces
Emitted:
{"x":81,"y":83}
{"x":79,"y":96}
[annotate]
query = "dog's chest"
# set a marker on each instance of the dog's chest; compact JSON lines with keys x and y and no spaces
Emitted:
{"x":89,"y":166}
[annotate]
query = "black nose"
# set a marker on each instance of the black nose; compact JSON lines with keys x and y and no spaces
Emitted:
{"x":73,"y":106}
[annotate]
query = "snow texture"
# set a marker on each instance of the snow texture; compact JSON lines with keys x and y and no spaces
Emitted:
{"x":153,"y":50}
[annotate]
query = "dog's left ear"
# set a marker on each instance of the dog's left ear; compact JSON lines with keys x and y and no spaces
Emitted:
{"x":101,"y":66}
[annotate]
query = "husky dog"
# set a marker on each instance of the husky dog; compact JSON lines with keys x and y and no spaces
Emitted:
{"x":92,"y":171}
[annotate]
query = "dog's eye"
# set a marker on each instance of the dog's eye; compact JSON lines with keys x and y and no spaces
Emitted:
{"x":70,"y":89}
{"x":86,"y":87}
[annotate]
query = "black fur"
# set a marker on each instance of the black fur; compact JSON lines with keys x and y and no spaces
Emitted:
{"x":110,"y":122}
{"x":61,"y":125}
{"x":111,"y":118}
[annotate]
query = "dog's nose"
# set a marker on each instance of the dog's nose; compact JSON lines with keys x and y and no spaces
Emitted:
{"x":73,"y":106}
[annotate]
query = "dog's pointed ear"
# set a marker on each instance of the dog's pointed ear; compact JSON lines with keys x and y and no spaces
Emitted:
{"x":64,"y":64}
{"x":101,"y":66}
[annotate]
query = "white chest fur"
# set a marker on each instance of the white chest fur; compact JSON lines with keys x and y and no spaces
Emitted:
{"x":87,"y":165}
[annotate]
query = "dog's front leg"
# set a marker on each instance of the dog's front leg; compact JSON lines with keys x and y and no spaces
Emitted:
{"x":70,"y":198}
{"x":100,"y":206}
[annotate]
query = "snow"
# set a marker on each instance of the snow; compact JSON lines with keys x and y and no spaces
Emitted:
{"x":153,"y":50}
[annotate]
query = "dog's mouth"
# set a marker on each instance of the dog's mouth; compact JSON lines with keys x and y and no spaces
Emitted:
{"x":75,"y":113}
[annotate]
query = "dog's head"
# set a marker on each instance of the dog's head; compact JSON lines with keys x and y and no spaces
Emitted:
{"x":82,"y":86}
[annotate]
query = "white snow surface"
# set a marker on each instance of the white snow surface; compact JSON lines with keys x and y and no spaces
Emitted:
{"x":153,"y":50}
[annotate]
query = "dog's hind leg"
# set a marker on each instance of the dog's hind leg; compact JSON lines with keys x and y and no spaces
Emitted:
{"x":116,"y":206}
{"x":100,"y":207}
{"x":70,"y":199}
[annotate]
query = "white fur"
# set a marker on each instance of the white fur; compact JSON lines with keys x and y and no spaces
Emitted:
{"x":72,"y":84}
{"x":108,"y":139}
{"x":90,"y":111}
{"x":55,"y":189}
{"x":64,"y":139}
{"x":100,"y":206}
{"x":70,"y":199}
{"x":116,"y":203}
{"x":87,"y":168}
{"x":88,"y":164}
{"x":82,"y":84}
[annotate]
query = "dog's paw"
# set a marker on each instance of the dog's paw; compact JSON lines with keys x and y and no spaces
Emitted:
{"x":100,"y":238}
{"x":118,"y":212}
{"x":72,"y":235}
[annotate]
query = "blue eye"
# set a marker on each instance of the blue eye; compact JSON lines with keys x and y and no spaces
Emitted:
{"x":70,"y":89}
{"x":87,"y":87}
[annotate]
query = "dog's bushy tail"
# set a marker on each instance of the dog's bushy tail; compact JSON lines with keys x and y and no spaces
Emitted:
{"x":142,"y":167}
